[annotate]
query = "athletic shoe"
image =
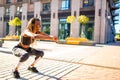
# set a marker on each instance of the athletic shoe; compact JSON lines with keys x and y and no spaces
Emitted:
{"x":16,"y":74}
{"x":33,"y":69}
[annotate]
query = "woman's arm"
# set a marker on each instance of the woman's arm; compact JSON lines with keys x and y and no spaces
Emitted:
{"x":44,"y":36}
{"x":28,"y":33}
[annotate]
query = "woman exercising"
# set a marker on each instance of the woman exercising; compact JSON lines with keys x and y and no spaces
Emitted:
{"x":24,"y":49}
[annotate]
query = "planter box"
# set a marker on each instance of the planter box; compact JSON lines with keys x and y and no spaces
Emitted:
{"x":77,"y":41}
{"x":89,"y":43}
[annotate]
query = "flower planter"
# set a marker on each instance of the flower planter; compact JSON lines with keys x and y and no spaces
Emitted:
{"x":77,"y":41}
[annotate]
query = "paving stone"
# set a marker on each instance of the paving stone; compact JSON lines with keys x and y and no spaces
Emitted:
{"x":65,"y":62}
{"x":49,"y":69}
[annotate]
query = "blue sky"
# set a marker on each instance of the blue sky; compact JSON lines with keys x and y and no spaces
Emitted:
{"x":117,"y":26}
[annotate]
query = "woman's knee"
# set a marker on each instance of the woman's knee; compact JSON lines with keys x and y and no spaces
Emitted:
{"x":42,"y":54}
{"x":39,"y":54}
{"x":24,"y":57}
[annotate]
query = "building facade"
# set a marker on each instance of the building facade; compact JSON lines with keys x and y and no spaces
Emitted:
{"x":53,"y":14}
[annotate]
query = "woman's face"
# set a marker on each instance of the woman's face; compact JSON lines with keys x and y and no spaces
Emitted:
{"x":38,"y":26}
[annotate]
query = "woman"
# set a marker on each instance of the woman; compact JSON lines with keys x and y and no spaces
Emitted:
{"x":24,"y":49}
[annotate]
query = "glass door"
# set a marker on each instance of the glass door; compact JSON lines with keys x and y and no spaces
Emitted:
{"x":46,"y":26}
{"x":64,"y":29}
{"x":7,"y":28}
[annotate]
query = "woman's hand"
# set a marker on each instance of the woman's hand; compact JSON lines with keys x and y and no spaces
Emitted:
{"x":55,"y":39}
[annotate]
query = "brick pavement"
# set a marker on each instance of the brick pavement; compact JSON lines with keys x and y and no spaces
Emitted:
{"x":67,"y":62}
{"x":49,"y":69}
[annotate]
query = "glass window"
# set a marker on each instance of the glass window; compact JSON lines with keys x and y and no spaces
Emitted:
{"x":65,"y":4}
{"x":31,"y":1}
{"x":7,"y":11}
{"x":88,"y":3}
{"x":63,"y":29}
{"x":46,"y":6}
{"x":46,"y":26}
{"x":91,"y":2}
{"x":8,"y":1}
{"x":88,"y":30}
{"x":19,"y":0}
{"x":7,"y":28}
{"x":19,"y":10}
{"x":85,"y":3}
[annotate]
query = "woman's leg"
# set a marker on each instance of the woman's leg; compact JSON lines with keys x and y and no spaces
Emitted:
{"x":39,"y":55}
{"x":35,"y":61}
{"x":23,"y":57}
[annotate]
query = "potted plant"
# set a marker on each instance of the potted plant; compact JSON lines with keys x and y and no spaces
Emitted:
{"x":83,"y":20}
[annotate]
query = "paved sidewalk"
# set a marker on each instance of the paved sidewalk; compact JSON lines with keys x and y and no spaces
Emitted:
{"x":66,"y":62}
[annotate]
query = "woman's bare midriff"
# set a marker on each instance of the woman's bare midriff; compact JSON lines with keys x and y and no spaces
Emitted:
{"x":24,"y":46}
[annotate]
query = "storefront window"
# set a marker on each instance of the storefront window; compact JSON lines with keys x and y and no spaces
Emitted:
{"x":19,"y":0}
{"x":8,"y":1}
{"x":31,"y":1}
{"x":46,"y":6}
{"x":65,"y":4}
{"x":7,"y":28}
{"x":88,"y":3}
{"x":19,"y":10}
{"x":18,"y":30}
{"x":88,"y":30}
{"x":7,"y":11}
{"x":46,"y":26}
{"x":64,"y":29}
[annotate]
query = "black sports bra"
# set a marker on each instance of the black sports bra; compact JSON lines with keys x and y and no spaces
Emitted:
{"x":26,"y":40}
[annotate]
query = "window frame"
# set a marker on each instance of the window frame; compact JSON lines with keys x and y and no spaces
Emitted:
{"x":65,"y":4}
{"x":89,"y":3}
{"x":19,"y":0}
{"x":31,"y":1}
{"x":48,"y":5}
{"x":8,"y":1}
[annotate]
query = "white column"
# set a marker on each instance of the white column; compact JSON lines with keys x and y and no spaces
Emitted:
{"x":99,"y":29}
{"x":37,"y":9}
{"x":75,"y":26}
{"x":2,"y":28}
{"x":54,"y":18}
{"x":97,"y":22}
{"x":12,"y":13}
{"x":103,"y":22}
{"x":24,"y":16}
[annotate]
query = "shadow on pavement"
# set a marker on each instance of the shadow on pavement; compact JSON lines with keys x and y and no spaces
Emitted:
{"x":43,"y":75}
{"x":7,"y":52}
{"x":53,"y":77}
{"x":117,"y":43}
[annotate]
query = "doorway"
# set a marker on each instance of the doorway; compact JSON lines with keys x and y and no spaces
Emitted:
{"x":63,"y":29}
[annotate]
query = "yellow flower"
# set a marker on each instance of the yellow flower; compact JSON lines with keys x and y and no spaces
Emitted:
{"x":83,"y":19}
{"x":15,"y":22}
{"x":70,"y":19}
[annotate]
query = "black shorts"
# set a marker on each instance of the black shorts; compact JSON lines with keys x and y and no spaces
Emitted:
{"x":19,"y":51}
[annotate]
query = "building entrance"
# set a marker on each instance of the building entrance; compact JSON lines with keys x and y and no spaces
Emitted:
{"x":64,"y":29}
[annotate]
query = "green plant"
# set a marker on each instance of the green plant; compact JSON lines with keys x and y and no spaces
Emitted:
{"x":0,"y":41}
{"x":17,"y":23}
{"x":83,"y":20}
